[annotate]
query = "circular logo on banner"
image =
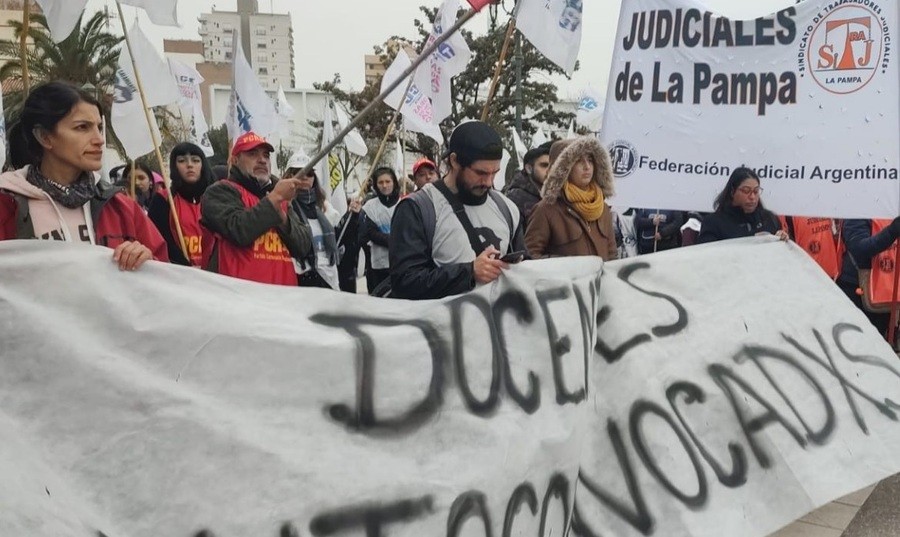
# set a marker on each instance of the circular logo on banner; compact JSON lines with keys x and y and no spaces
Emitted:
{"x":624,"y":158}
{"x":846,"y":48}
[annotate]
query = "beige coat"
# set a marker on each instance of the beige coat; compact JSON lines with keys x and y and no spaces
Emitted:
{"x":555,"y":227}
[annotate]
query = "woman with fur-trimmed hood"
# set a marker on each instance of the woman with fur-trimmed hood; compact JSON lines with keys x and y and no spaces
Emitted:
{"x":573,"y":217}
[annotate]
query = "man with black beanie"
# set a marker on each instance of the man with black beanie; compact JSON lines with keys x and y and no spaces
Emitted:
{"x":449,"y":236}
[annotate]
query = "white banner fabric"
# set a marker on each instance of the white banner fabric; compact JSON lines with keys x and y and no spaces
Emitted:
{"x":807,"y":97}
{"x":418,"y":113}
{"x":162,"y":12}
{"x":645,"y":400}
{"x":250,"y":108}
{"x":62,"y":16}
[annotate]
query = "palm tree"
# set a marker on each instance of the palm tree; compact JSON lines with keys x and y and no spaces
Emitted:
{"x":88,"y":57}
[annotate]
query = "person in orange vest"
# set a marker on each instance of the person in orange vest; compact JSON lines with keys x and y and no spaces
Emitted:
{"x":817,"y":238}
{"x":870,"y":244}
{"x":256,"y":233}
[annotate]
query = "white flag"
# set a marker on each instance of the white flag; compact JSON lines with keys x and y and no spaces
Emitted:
{"x":450,"y":59}
{"x":539,"y":138}
{"x":157,"y":81}
{"x":553,"y":27}
{"x":590,"y":109}
{"x":161,"y":12}
{"x":282,"y":106}
{"x":251,"y":109}
{"x":200,"y":130}
{"x":188,"y":81}
{"x":62,"y":16}
{"x":128,"y":118}
{"x":354,"y":140}
{"x":571,"y":132}
{"x":519,"y":146}
{"x":416,"y":108}
{"x":500,"y":178}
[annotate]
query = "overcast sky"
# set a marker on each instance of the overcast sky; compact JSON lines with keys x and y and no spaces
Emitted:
{"x":332,"y":36}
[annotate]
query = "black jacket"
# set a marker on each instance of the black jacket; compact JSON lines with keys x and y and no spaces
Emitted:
{"x":414,"y":274}
{"x":669,"y":231}
{"x":733,"y":223}
{"x":862,"y":246}
{"x":524,"y":192}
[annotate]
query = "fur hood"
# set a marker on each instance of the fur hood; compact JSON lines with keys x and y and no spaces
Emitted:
{"x":574,"y":149}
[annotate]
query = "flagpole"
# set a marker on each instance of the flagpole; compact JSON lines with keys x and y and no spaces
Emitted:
{"x":510,"y":30}
{"x":132,"y":188}
{"x":23,"y":46}
{"x":167,"y":181}
{"x":425,"y":54}
{"x":400,"y":140}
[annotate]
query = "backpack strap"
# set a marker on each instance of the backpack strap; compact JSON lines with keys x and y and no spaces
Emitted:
{"x":460,"y":211}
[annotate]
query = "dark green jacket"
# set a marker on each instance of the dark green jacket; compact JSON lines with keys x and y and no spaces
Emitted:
{"x":223,"y":212}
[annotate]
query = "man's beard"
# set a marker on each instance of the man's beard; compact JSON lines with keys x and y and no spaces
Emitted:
{"x":468,"y":197}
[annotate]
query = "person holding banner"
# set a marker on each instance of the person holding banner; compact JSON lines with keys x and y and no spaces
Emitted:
{"x":191,"y":175}
{"x":57,"y":196}
{"x":573,"y":217}
{"x":319,"y":268}
{"x":867,"y":269}
{"x":256,"y":234}
{"x":739,"y":212}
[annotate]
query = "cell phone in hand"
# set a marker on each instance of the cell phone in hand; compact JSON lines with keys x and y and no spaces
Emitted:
{"x":514,"y":257}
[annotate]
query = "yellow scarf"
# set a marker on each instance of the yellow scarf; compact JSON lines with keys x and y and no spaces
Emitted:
{"x":588,"y":203}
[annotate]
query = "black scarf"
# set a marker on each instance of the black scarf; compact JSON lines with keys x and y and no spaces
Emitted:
{"x":250,"y":183}
{"x":391,"y":199}
{"x":70,"y":197}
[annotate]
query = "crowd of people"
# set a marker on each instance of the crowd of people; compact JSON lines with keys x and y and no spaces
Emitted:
{"x":452,"y":233}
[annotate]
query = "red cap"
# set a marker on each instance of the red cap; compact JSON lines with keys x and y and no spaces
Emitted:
{"x":249,"y":142}
{"x":422,"y":162}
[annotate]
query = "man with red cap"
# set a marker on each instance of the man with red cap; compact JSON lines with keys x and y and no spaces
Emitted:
{"x":424,"y":172}
{"x":257,"y":234}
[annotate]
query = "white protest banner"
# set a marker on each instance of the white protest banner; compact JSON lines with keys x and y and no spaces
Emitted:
{"x":143,"y":420}
{"x":735,"y":388}
{"x":807,"y":97}
{"x":643,"y":401}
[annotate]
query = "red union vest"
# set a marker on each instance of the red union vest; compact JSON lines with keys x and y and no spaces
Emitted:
{"x":267,"y":261}
{"x":197,"y":239}
{"x":816,"y":237}
{"x":881,"y":283}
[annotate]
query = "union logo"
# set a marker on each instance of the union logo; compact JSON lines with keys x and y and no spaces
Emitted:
{"x":885,"y":263}
{"x":624,"y":158}
{"x":846,"y":48}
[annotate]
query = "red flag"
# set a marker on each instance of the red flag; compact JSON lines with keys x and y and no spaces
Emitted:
{"x":478,"y":4}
